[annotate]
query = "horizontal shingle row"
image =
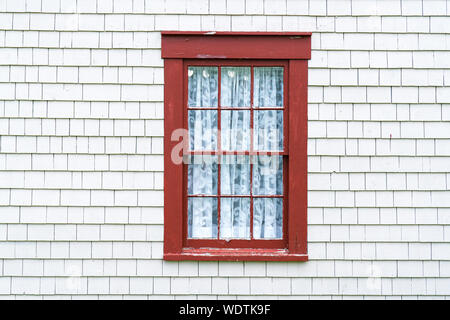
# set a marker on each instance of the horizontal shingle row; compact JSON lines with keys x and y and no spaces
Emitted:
{"x":232,"y":7}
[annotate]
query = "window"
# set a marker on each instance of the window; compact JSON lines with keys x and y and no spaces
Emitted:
{"x":235,"y":146}
{"x":235,"y":183}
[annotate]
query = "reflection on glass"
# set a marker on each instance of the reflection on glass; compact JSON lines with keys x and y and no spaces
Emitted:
{"x":268,"y":87}
{"x":202,"y":218}
{"x":268,"y":130}
{"x":268,"y":175}
{"x":202,"y":87}
{"x":235,"y":218}
{"x":235,"y":175}
{"x":268,"y":218}
{"x":235,"y":130}
{"x":235,"y":89}
{"x":202,"y":175}
{"x":202,"y":130}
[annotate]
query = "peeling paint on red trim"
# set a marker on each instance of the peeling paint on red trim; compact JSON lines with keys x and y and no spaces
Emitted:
{"x":294,"y":49}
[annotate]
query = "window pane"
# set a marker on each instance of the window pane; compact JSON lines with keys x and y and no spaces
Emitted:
{"x":268,"y":175}
{"x":268,"y":130}
{"x":202,"y":218}
{"x":202,"y":129}
{"x":235,"y":218}
{"x":235,"y":175}
{"x":268,"y":88}
{"x":202,"y":175}
{"x":235,"y":87}
{"x":268,"y":218}
{"x":202,"y":86}
{"x":235,"y":130}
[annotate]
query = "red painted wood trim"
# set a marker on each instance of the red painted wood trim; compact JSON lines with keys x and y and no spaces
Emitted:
{"x":227,"y":63}
{"x":298,"y":134}
{"x":236,"y":255}
{"x":224,"y":46}
{"x":236,"y":33}
{"x":235,"y":243}
{"x":173,"y":173}
{"x":239,"y":243}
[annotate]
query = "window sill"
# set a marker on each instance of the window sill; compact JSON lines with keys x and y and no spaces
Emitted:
{"x":213,"y":254}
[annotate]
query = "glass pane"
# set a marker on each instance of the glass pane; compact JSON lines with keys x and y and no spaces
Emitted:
{"x":202,"y":218}
{"x":235,"y":87}
{"x":202,"y":86}
{"x":268,"y":218}
{"x":235,"y":130}
{"x":268,"y":88}
{"x":268,"y":175}
{"x":202,"y":175}
{"x":268,"y":130}
{"x":202,"y":129}
{"x":235,"y":175}
{"x":235,"y":218}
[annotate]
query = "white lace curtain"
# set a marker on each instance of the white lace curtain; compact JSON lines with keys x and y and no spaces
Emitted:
{"x":229,"y":216}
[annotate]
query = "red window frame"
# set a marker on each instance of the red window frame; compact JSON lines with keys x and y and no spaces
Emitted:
{"x":290,"y":50}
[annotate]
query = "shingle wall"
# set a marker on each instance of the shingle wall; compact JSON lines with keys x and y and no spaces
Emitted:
{"x":81,"y":150}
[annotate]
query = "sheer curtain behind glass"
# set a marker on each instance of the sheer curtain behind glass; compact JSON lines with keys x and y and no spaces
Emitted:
{"x":268,"y":95}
